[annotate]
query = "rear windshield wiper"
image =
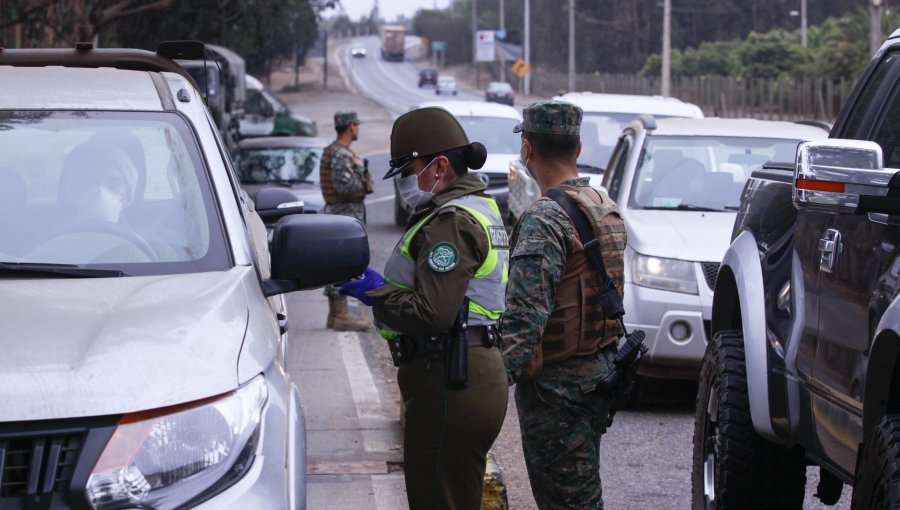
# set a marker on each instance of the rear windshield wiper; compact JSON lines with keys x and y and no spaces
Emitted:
{"x":53,"y":270}
{"x":683,"y":207}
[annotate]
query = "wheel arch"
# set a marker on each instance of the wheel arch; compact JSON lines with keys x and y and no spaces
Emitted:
{"x":881,"y":394}
{"x":743,"y":298}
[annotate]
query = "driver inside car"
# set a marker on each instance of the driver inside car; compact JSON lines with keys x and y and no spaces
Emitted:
{"x":105,"y":182}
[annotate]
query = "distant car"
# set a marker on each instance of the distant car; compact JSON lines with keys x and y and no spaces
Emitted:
{"x":678,"y":183}
{"x":604,"y":117}
{"x":288,"y":161}
{"x":492,"y":125}
{"x":427,"y":77}
{"x":445,"y":85}
{"x":500,"y":92}
{"x":358,"y":52}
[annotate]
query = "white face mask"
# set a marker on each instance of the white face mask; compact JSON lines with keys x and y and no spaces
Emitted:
{"x":409,"y":188}
{"x":100,"y":204}
{"x":525,"y":161}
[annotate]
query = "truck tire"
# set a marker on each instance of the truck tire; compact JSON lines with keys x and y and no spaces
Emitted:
{"x":877,"y":483}
{"x":733,"y":466}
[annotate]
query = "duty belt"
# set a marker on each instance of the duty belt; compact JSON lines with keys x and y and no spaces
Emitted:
{"x":406,"y":348}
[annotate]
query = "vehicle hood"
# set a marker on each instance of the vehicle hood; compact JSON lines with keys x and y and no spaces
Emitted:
{"x":684,"y":235}
{"x":105,"y":346}
{"x":309,"y":194}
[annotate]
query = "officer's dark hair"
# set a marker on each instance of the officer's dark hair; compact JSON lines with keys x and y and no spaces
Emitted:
{"x":468,"y":156}
{"x":553,"y":147}
{"x":341,"y":129}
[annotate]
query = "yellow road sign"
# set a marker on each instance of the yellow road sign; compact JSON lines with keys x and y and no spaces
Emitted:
{"x":520,"y":67}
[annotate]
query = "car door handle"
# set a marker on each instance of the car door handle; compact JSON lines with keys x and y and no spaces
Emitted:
{"x":830,"y":249}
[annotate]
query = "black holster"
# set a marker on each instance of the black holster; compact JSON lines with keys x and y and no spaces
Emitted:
{"x":458,"y":350}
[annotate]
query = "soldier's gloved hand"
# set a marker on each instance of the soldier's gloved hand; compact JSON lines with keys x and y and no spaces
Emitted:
{"x":369,"y":280}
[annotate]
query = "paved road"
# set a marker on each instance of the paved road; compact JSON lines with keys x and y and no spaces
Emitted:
{"x":348,"y":385}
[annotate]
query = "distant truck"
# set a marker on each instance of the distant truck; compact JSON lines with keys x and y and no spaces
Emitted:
{"x":223,"y":87}
{"x":392,"y":41}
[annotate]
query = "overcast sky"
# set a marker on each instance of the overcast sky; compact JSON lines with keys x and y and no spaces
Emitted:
{"x":390,"y":9}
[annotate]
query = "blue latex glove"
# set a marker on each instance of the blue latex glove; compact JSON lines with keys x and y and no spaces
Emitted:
{"x":369,"y":280}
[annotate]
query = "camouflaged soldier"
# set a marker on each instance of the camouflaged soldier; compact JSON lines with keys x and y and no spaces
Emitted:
{"x":556,"y":342}
{"x":345,"y":183}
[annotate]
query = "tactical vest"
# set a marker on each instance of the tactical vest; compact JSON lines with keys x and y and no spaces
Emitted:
{"x":328,"y":192}
{"x":577,"y":326}
{"x":487,"y":289}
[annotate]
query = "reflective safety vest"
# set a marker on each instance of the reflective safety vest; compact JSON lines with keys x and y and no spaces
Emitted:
{"x":487,"y":289}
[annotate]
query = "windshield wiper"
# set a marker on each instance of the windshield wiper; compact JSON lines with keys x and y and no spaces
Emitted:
{"x":61,"y":270}
{"x":683,"y":207}
{"x":591,"y":168}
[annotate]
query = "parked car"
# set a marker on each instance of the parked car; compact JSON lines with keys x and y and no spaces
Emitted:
{"x":605,"y":115}
{"x":291,"y":162}
{"x":678,"y":184}
{"x":427,"y":77}
{"x":500,"y":92}
{"x":445,"y":85}
{"x":803,"y":369}
{"x":492,"y":125}
{"x":144,"y":330}
{"x":265,"y":114}
{"x":358,"y":52}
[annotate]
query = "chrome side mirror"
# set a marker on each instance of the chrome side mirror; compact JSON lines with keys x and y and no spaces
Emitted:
{"x":842,"y":176}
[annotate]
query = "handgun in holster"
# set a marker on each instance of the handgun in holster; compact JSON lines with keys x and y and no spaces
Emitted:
{"x":458,"y":350}
{"x":402,"y":349}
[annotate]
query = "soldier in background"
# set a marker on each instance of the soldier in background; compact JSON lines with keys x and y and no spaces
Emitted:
{"x":345,"y":182}
{"x":556,"y":341}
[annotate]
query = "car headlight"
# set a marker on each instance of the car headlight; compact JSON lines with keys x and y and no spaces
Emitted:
{"x":664,"y":274}
{"x":162,"y":459}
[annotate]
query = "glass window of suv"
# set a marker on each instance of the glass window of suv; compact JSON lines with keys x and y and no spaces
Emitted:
{"x":868,"y":106}
{"x":612,"y":179}
{"x":278,"y":165}
{"x":166,"y":221}
{"x":496,"y":133}
{"x":700,"y":172}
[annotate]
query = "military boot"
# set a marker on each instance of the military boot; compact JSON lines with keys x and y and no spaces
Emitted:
{"x":329,"y":322}
{"x":342,"y":320}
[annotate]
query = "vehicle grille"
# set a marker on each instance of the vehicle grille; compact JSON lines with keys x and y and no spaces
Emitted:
{"x":35,"y":465}
{"x":710,"y":272}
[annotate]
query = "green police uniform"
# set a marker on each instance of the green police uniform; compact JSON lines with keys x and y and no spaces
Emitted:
{"x":451,"y":252}
{"x":561,"y":414}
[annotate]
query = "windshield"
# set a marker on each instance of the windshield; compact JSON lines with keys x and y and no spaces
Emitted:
{"x":697,"y":172}
{"x":106,"y":190}
{"x":496,"y":133}
{"x":599,"y":133}
{"x":278,"y":165}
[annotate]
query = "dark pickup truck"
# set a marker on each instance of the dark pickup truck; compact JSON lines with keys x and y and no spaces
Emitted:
{"x":804,"y":365}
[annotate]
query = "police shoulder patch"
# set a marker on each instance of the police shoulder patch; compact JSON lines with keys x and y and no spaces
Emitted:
{"x":443,"y":257}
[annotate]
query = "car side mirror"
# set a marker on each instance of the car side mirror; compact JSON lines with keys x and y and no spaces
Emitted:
{"x":846,"y":177}
{"x":273,"y":204}
{"x":313,"y":250}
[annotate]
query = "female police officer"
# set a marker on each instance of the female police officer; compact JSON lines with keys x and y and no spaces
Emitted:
{"x":438,"y":304}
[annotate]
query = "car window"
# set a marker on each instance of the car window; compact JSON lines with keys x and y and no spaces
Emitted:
{"x":126,"y":190}
{"x":496,"y":133}
{"x":612,"y":179}
{"x":866,"y":106}
{"x":679,"y":172}
{"x":280,"y":164}
{"x":599,"y":132}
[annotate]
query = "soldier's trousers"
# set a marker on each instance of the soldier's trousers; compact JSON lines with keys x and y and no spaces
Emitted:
{"x":354,"y":210}
{"x":562,"y":417}
{"x":448,"y":432}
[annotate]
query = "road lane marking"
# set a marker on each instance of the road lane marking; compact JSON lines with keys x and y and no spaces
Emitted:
{"x":362,"y":385}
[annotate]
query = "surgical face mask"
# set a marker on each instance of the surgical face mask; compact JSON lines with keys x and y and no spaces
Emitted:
{"x":524,"y":162}
{"x":408,"y":187}
{"x":100,"y":204}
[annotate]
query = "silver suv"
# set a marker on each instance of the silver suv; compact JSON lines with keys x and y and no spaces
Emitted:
{"x":678,"y":183}
{"x":144,"y":331}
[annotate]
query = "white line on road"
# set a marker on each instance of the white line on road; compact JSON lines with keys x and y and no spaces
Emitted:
{"x":362,"y":385}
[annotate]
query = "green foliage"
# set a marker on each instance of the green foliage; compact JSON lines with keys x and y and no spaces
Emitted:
{"x":451,"y":26}
{"x":772,"y":54}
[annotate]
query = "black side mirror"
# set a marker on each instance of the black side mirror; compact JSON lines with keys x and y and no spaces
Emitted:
{"x":273,"y":204}
{"x":310,"y":251}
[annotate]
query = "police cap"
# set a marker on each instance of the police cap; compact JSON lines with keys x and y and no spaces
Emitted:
{"x":421,"y":133}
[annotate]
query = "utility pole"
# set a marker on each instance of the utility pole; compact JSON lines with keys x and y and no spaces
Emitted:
{"x":503,"y":31}
{"x":875,"y":38}
{"x":803,"y":24}
{"x":527,"y":43}
{"x":571,"y":45}
{"x":475,"y":43}
{"x":325,"y":67}
{"x":667,"y":48}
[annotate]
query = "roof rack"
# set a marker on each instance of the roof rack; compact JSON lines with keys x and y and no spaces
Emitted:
{"x":86,"y":56}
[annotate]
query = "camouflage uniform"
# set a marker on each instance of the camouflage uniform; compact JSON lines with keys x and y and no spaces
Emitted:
{"x":561,"y":415}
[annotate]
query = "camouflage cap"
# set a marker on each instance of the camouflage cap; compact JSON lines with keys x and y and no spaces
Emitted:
{"x":551,"y":117}
{"x":342,"y":119}
{"x":421,"y":133}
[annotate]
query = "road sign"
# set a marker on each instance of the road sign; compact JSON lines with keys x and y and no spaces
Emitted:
{"x":438,"y":45}
{"x":484,"y":46}
{"x":520,"y":67}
